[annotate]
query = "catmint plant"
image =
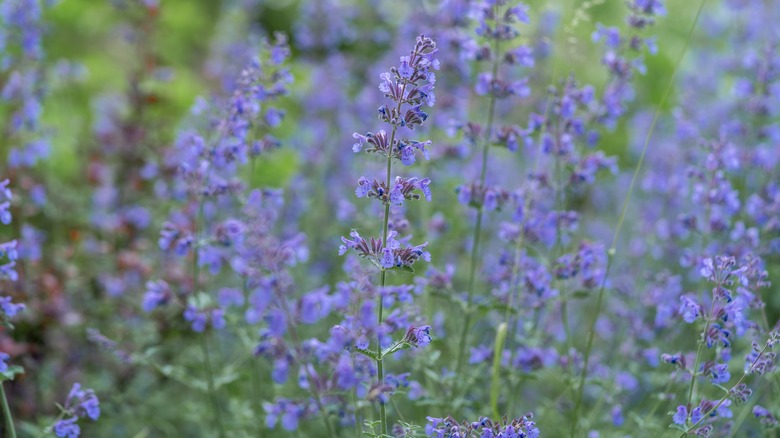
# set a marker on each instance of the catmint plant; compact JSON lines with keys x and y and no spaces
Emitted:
{"x":79,"y":404}
{"x":496,"y":27}
{"x":207,"y":164}
{"x":606,"y":219}
{"x":8,"y":309}
{"x":408,"y":88}
{"x":523,"y":427}
{"x":727,"y":319}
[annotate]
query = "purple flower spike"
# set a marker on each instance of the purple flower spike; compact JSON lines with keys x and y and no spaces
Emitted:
{"x":418,"y":336}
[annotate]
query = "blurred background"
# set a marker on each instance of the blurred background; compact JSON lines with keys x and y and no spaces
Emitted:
{"x":116,"y":81}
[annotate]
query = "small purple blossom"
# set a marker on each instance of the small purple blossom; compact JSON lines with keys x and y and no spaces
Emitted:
{"x":681,"y":416}
{"x":689,"y":309}
{"x":9,"y":308}
{"x":158,"y":294}
{"x":418,"y":336}
{"x":3,"y":365}
{"x":67,"y":428}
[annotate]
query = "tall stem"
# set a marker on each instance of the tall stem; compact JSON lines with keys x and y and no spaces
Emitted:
{"x":478,"y":225}
{"x":9,"y":421}
{"x":557,"y":249}
{"x":702,"y":341}
{"x":210,"y":380}
{"x":254,"y":370}
{"x":383,"y":276}
{"x":313,"y":385}
{"x":514,"y":287}
{"x":612,"y":249}
{"x":379,"y":366}
{"x":726,"y":397}
{"x":203,"y":344}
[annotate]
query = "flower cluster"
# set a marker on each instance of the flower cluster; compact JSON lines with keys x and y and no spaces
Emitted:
{"x":389,"y":255}
{"x":605,"y":237}
{"x":8,"y":257}
{"x":79,"y":404}
{"x":402,"y":189}
{"x":8,"y":250}
{"x":408,"y":86}
{"x":206,"y":168}
{"x":523,"y":427}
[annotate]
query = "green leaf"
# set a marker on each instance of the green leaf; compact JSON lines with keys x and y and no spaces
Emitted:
{"x":368,"y":353}
{"x":434,"y":376}
{"x":498,"y":348}
{"x":485,"y":307}
{"x":226,"y":378}
{"x":579,"y":295}
{"x":398,"y":346}
{"x":12,"y":371}
{"x":726,"y":390}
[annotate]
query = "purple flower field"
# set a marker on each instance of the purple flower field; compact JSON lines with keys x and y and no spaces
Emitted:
{"x":412,"y":218}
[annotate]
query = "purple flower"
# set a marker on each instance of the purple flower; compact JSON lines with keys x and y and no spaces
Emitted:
{"x":228,"y":297}
{"x":158,"y":293}
{"x":218,"y":319}
{"x":83,"y":402}
{"x":765,"y":417}
{"x":274,"y":117}
{"x":696,"y":414}
{"x":387,"y":260}
{"x":396,"y":195}
{"x":288,"y":411}
{"x":689,"y":309}
{"x":9,"y":308}
{"x":483,"y":85}
{"x":650,"y":7}
{"x":610,"y":35}
{"x":79,"y":404}
{"x":197,"y":318}
{"x":617,"y":416}
{"x":345,"y":373}
{"x":681,"y":416}
{"x":720,"y":373}
{"x":361,"y":140}
{"x":418,"y":336}
{"x":315,"y":305}
{"x":5,"y":202}
{"x":67,"y":428}
{"x":405,"y":70}
{"x":3,"y":365}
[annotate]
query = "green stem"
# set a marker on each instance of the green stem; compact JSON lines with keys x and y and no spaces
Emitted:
{"x":9,"y":421}
{"x":203,"y":344}
{"x":520,"y":245}
{"x":702,"y":341}
{"x":612,"y":249}
{"x":383,"y":277}
{"x":254,"y":369}
{"x":660,"y":400}
{"x":212,"y":392}
{"x":379,"y":364}
{"x":558,"y":249}
{"x":746,"y":411}
{"x":472,"y":278}
{"x":463,"y":344}
{"x":725,"y":397}
{"x":567,"y":330}
{"x":255,"y":385}
{"x":314,"y":387}
{"x":358,"y":419}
